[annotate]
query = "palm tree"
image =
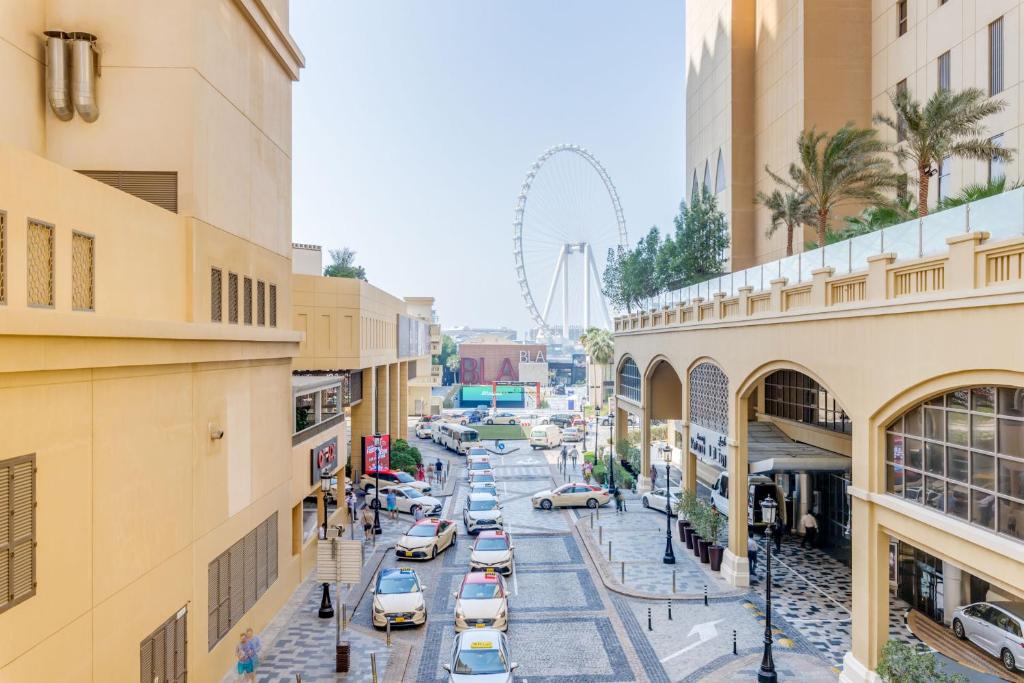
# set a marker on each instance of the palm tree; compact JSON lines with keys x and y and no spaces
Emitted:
{"x":877,"y":217}
{"x":599,"y":345}
{"x":974,"y":192}
{"x":948,"y":125}
{"x":791,"y":209}
{"x":343,"y":265}
{"x":846,"y":166}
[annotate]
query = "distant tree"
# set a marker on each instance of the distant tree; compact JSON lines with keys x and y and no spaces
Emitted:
{"x":791,"y":208}
{"x":611,"y":280}
{"x":630,"y":274}
{"x":697,"y":249}
{"x":949,"y":124}
{"x":599,"y":345}
{"x":448,"y":359}
{"x":344,"y":265}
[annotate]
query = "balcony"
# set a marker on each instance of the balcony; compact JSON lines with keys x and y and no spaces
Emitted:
{"x":435,"y":335}
{"x":436,"y":373}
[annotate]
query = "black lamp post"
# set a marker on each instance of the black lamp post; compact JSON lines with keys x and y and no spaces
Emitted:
{"x":376,"y":484}
{"x":326,"y":610}
{"x":767,"y":672}
{"x":670,"y":555}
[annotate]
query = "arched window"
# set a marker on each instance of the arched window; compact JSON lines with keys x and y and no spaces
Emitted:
{"x":720,"y":174}
{"x":693,"y":191}
{"x":962,"y":453}
{"x":707,"y":175}
{"x":629,"y":380}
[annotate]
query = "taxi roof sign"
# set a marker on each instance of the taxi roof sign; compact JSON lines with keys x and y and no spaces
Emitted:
{"x":482,"y":645}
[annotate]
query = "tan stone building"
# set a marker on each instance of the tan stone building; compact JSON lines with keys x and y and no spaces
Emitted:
{"x":760,"y":71}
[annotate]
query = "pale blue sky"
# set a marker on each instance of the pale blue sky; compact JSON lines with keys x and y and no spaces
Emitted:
{"x":415,"y":122}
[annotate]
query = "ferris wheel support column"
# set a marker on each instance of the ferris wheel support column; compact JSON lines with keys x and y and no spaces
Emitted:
{"x":600,"y":292}
{"x":554,"y":281}
{"x":586,"y":286}
{"x":565,"y":295}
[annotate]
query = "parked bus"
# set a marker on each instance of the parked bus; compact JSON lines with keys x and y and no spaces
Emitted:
{"x":456,"y":437}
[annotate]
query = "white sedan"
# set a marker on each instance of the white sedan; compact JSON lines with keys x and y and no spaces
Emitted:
{"x":426,"y":538}
{"x":655,"y":499}
{"x":407,"y":500}
{"x":500,"y":419}
{"x":571,"y":495}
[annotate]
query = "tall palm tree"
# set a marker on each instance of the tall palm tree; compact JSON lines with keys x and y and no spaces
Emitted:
{"x":832,"y":169}
{"x":599,"y":345}
{"x":949,"y":124}
{"x":790,"y":208}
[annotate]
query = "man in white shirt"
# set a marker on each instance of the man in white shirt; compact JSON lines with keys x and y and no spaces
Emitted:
{"x":810,"y":525}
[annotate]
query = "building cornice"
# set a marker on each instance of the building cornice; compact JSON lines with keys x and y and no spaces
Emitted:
{"x":271,"y":29}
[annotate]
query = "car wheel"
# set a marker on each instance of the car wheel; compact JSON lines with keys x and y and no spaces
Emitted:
{"x":455,"y":537}
{"x":490,"y":422}
{"x":374,"y":504}
{"x":511,"y":422}
{"x":413,"y":509}
{"x":646,"y":503}
{"x":545,"y":504}
{"x":1009,"y":663}
{"x":958,"y":629}
{"x":591,"y":503}
{"x":433,"y":552}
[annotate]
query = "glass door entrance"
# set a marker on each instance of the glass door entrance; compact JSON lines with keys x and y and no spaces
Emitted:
{"x":920,"y":581}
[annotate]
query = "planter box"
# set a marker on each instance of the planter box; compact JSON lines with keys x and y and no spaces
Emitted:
{"x":695,"y":538}
{"x":715,"y":554}
{"x":703,"y":546}
{"x":683,"y":526}
{"x":689,"y":533}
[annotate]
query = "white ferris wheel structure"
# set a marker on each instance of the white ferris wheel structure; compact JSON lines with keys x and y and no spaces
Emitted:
{"x":567,"y":211}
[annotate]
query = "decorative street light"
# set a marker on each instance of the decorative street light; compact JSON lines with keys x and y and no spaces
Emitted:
{"x":767,"y":672}
{"x":376,"y":483}
{"x":326,"y":610}
{"x":670,"y":555}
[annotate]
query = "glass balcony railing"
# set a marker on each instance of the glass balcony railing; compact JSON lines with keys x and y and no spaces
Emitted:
{"x":1002,"y":216}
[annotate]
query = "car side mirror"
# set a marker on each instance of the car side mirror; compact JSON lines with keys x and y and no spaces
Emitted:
{"x":511,"y":547}
{"x":455,"y":594}
{"x":423,"y":588}
{"x":447,"y":667}
{"x":513,"y":666}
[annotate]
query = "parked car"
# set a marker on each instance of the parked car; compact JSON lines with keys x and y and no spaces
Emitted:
{"x":480,"y":654}
{"x":424,"y":429}
{"x":572,"y":434}
{"x":545,"y":436}
{"x":759,"y":487}
{"x":573,"y":494}
{"x":656,"y":499}
{"x":426,"y":538}
{"x":501,"y":419}
{"x":394,"y":477}
{"x":398,"y":598}
{"x":995,"y":627}
{"x":408,"y":500}
{"x":481,"y":602}
{"x":481,"y":512}
{"x":577,"y":420}
{"x":561,"y":420}
{"x":607,"y":420}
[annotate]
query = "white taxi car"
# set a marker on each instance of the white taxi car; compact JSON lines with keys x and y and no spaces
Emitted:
{"x":407,"y":499}
{"x":488,"y":487}
{"x":481,"y":512}
{"x":426,"y":538}
{"x":573,"y":494}
{"x":500,"y":419}
{"x":479,"y":465}
{"x":481,"y":602}
{"x":480,"y":656}
{"x":398,"y":598}
{"x":393,"y":478}
{"x":492,"y":550}
{"x":424,"y":430}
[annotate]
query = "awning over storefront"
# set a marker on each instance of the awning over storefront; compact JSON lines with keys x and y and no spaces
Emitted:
{"x":770,"y":450}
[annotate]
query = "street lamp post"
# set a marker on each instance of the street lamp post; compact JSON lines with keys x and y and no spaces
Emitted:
{"x":767,"y":672}
{"x":326,"y":610}
{"x":670,"y":555}
{"x":376,"y":484}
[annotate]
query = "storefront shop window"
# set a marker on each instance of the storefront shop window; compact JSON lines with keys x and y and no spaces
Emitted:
{"x":963,"y":454}
{"x":329,"y":404}
{"x":305,"y":411}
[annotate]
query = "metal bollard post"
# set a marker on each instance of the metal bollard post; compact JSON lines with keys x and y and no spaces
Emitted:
{"x":705,"y":595}
{"x":591,"y":520}
{"x":623,"y":573}
{"x":389,"y":633}
{"x":670,"y":609}
{"x":609,"y":551}
{"x":344,"y":617}
{"x":734,"y":641}
{"x":373,"y":667}
{"x":673,"y":580}
{"x":600,"y":535}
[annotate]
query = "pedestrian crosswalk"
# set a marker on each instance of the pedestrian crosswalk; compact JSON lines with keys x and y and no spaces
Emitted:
{"x":521,"y":471}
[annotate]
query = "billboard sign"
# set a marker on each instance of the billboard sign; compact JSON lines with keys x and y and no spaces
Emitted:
{"x":323,"y":460}
{"x":374,"y":458}
{"x":708,"y":445}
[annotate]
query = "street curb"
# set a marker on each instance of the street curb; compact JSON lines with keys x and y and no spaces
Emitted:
{"x":611,"y":584}
{"x":398,"y":663}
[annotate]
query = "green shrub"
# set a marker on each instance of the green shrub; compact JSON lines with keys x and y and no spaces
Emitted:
{"x":903,"y":663}
{"x":405,"y":457}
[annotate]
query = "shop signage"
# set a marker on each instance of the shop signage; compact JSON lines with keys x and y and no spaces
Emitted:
{"x":374,"y":458}
{"x":323,"y":460}
{"x":709,"y":446}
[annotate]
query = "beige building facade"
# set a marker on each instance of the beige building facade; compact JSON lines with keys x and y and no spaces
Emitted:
{"x":760,"y":71}
{"x":145,"y":309}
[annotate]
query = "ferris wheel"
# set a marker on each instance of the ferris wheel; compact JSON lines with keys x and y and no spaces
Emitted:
{"x":567,"y":210}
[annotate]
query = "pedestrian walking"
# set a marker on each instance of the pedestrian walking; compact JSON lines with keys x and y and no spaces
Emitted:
{"x":810,"y":525}
{"x":777,"y":530}
{"x":654,"y":476}
{"x":367,"y":517}
{"x":438,"y":466}
{"x":752,"y":549}
{"x":420,"y":473}
{"x":417,"y":514}
{"x":244,"y":666}
{"x":254,"y":645}
{"x":586,"y":475}
{"x":574,"y":455}
{"x":392,"y":501}
{"x":619,"y":501}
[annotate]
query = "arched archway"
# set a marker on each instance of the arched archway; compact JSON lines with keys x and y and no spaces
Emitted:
{"x":664,"y":414}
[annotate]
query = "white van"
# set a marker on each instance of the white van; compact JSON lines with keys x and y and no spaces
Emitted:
{"x":759,"y":487}
{"x":545,"y":436}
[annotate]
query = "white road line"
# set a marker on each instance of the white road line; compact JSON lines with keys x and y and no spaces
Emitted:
{"x":515,"y":574}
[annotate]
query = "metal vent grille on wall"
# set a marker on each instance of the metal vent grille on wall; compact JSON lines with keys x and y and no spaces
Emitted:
{"x":83,"y":272}
{"x":155,"y":187}
{"x":233,"y":298}
{"x":261,"y":303}
{"x":162,"y":656}
{"x":17,"y":530}
{"x":239,"y":577}
{"x":40,"y":264}
{"x":273,"y":305}
{"x":216,"y":312}
{"x":247,"y":295}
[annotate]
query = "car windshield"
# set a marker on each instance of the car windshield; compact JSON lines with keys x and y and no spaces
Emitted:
{"x":485,"y":478}
{"x":412,"y":493}
{"x":491,"y":544}
{"x":397,"y":583}
{"x":404,"y":477}
{"x":480,"y":466}
{"x":423,"y":531}
{"x":481,"y":591}
{"x":480,"y":662}
{"x":479,"y":505}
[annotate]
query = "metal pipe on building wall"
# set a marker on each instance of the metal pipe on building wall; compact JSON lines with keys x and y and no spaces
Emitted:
{"x":84,"y":69}
{"x":57,"y":75}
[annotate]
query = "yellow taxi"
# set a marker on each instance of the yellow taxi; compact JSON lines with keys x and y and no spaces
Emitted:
{"x":398,"y":598}
{"x":573,"y":494}
{"x":481,"y":602}
{"x":426,"y":538}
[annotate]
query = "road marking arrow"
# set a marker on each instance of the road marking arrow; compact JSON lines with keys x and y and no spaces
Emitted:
{"x":705,"y":632}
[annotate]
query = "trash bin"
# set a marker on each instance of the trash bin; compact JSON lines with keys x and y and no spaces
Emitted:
{"x":341,"y":656}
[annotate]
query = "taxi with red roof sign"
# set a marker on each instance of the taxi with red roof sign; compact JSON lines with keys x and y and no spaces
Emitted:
{"x":481,"y":602}
{"x":492,"y":550}
{"x":426,"y":538}
{"x":480,"y":656}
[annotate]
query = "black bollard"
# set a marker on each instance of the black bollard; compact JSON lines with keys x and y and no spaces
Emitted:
{"x":670,"y":609}
{"x":705,"y":595}
{"x":734,"y":642}
{"x":650,"y":627}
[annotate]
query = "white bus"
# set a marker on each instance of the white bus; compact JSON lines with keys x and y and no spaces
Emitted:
{"x":456,"y":437}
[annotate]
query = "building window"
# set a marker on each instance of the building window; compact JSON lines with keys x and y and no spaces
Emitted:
{"x":247,"y":300}
{"x":709,"y":397}
{"x":330,"y":405}
{"x":40,"y":264}
{"x":945,"y":178}
{"x":963,"y":454}
{"x":163,"y":654}
{"x":272,"y":305}
{"x":995,"y":57}
{"x":944,"y":71}
{"x":693,"y":190}
{"x":793,"y":395}
{"x":83,"y":272}
{"x":629,"y":380}
{"x":233,"y":298}
{"x":215,"y":295}
{"x":355,"y":387}
{"x":996,"y":165}
{"x":901,"y":17}
{"x":707,"y":175}
{"x":17,"y":530}
{"x":720,"y":173}
{"x":305,"y":412}
{"x":261,"y":303}
{"x":901,"y":123}
{"x":239,"y":577}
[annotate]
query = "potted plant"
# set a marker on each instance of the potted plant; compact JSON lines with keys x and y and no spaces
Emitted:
{"x":705,"y":533}
{"x":696,"y":527}
{"x":716,"y":522}
{"x":684,"y":506}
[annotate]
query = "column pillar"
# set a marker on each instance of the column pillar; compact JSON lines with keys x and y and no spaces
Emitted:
{"x":621,"y":426}
{"x":644,"y":481}
{"x":689,"y":464}
{"x":381,"y":421}
{"x":870,"y":583}
{"x":394,"y":401}
{"x":403,"y":399}
{"x":952,"y":590}
{"x":362,"y":424}
{"x":735,"y":567}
